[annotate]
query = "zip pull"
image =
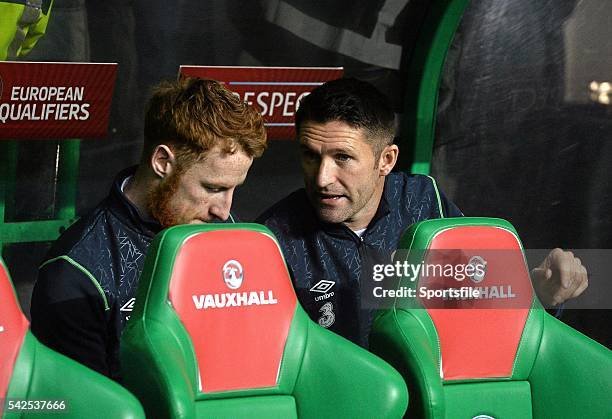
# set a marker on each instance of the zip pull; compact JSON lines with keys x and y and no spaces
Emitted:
{"x":354,"y":235}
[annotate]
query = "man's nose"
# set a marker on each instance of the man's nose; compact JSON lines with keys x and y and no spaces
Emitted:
{"x":326,"y":173}
{"x":222,"y":205}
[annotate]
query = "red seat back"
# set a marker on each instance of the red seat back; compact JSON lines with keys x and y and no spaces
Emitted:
{"x":13,"y":327}
{"x":479,"y":338}
{"x":237,"y":306}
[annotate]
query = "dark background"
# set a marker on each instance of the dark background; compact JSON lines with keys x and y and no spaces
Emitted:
{"x":517,"y":136}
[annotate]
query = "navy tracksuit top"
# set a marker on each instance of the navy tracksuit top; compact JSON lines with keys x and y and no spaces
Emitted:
{"x":329,"y":261}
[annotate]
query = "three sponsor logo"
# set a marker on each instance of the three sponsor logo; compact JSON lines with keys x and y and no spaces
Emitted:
{"x":328,"y":318}
{"x":324,"y":287}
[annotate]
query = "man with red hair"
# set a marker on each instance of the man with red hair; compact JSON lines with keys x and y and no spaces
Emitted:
{"x":200,"y":141}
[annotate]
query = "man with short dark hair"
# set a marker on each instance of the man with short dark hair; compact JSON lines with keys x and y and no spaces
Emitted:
{"x":200,"y":141}
{"x":354,"y":210}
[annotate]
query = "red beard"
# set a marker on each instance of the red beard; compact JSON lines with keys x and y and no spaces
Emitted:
{"x":160,"y":199}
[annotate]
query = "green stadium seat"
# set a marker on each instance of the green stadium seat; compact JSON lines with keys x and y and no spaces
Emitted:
{"x":38,"y":382}
{"x":497,"y":356}
{"x":217,"y":331}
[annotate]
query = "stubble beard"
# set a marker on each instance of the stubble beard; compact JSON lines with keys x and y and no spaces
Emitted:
{"x":160,"y":201}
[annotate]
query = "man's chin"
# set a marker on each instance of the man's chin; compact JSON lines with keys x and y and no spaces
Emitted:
{"x":331,"y":216}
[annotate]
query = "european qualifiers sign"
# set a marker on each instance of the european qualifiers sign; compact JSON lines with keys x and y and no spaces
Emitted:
{"x":274,"y":91}
{"x":55,"y":100}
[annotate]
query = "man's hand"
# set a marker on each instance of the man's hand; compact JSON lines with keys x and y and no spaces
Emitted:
{"x":559,"y":277}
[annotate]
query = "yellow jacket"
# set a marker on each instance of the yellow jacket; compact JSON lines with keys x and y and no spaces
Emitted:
{"x":21,"y":25}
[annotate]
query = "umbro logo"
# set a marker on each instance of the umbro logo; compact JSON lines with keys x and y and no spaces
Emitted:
{"x":129,"y":306}
{"x":323,"y":286}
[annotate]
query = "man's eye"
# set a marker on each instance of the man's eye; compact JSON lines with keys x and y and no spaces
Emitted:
{"x":212,"y":189}
{"x":343,"y":157}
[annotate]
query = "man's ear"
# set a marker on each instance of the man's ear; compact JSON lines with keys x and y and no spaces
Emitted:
{"x":387,"y":159}
{"x":163,"y":161}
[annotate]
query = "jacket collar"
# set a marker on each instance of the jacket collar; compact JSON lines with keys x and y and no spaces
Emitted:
{"x":123,"y":208}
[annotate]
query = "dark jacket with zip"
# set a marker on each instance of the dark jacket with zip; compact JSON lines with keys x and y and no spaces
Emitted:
{"x":328,"y":262}
{"x":86,"y":286}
